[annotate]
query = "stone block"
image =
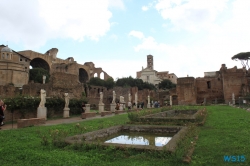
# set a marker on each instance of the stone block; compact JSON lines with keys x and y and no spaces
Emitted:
{"x":88,"y":115}
{"x":112,"y":107}
{"x":42,"y":112}
{"x":101,"y":107}
{"x":21,"y":123}
{"x":66,"y":112}
{"x":106,"y":113}
{"x":87,"y":108}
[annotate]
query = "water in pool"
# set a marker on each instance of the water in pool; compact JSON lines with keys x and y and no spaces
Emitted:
{"x":140,"y":138}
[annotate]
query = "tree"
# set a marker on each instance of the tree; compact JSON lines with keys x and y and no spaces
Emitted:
{"x":132,"y":82}
{"x":36,"y":75}
{"x":96,"y":81}
{"x":243,"y":56}
{"x":109,"y":83}
{"x":166,"y":84}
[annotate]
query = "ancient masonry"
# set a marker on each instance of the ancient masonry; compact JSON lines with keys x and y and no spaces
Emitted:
{"x":214,"y":87}
{"x":14,"y":66}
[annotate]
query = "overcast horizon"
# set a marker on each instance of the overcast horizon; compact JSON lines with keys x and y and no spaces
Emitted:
{"x":185,"y":37}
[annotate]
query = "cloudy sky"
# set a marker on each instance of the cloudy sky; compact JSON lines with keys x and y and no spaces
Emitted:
{"x":186,"y":37}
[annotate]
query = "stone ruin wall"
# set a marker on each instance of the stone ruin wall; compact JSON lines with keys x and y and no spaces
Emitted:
{"x":186,"y":90}
{"x":233,"y":81}
{"x":8,"y":91}
{"x":59,"y":84}
{"x":209,"y":88}
{"x":214,"y":86}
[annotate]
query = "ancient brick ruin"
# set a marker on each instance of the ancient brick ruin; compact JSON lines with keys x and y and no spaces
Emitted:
{"x":214,"y":87}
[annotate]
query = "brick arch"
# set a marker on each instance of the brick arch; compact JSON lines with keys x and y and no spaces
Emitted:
{"x":83,"y":75}
{"x":40,"y":63}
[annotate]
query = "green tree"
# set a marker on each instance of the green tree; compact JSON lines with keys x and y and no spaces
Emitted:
{"x":166,"y":84}
{"x":132,"y":82}
{"x":96,"y":81}
{"x":36,"y":75}
{"x":243,"y":56}
{"x":109,"y":83}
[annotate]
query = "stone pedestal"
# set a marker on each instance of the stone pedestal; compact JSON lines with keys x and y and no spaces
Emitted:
{"x":101,"y":108}
{"x":233,"y":102}
{"x":42,"y":112}
{"x":148,"y":106}
{"x":112,"y":107}
{"x":66,"y":112}
{"x":87,"y":108}
{"x":121,"y":107}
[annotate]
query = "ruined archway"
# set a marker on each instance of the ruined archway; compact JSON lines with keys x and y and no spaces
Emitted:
{"x":83,"y":75}
{"x":39,"y":63}
{"x":102,"y":76}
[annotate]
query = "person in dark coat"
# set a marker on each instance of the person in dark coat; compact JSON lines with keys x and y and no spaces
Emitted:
{"x":2,"y":109}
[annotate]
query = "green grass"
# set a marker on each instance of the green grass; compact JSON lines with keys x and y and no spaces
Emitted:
{"x":226,"y":132}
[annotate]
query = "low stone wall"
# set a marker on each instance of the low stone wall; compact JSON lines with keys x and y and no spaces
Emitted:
{"x":119,"y":112}
{"x":21,"y":123}
{"x":167,"y":116}
{"x":93,"y":137}
{"x":88,"y":115}
{"x":106,"y":113}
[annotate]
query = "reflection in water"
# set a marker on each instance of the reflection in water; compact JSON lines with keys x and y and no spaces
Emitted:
{"x":140,"y":139}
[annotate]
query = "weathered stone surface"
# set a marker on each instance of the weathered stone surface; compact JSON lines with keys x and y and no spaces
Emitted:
{"x":88,"y":115}
{"x":104,"y":113}
{"x":30,"y":122}
{"x":216,"y":87}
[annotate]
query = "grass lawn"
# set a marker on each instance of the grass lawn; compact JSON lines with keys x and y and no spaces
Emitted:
{"x":226,"y":132}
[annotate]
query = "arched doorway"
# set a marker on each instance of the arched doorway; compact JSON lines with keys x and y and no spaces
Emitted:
{"x":39,"y":68}
{"x":83,"y":75}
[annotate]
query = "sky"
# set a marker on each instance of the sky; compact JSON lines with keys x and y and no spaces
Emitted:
{"x":185,"y":37}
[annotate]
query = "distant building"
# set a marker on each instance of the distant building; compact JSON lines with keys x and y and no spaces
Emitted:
{"x":152,"y":76}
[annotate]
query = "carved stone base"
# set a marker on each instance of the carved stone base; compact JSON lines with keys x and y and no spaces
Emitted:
{"x":66,"y":112}
{"x":87,"y":108}
{"x":101,"y":107}
{"x":42,"y":112}
{"x":112,"y":107}
{"x":233,"y":102}
{"x":148,"y":106}
{"x":121,"y":107}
